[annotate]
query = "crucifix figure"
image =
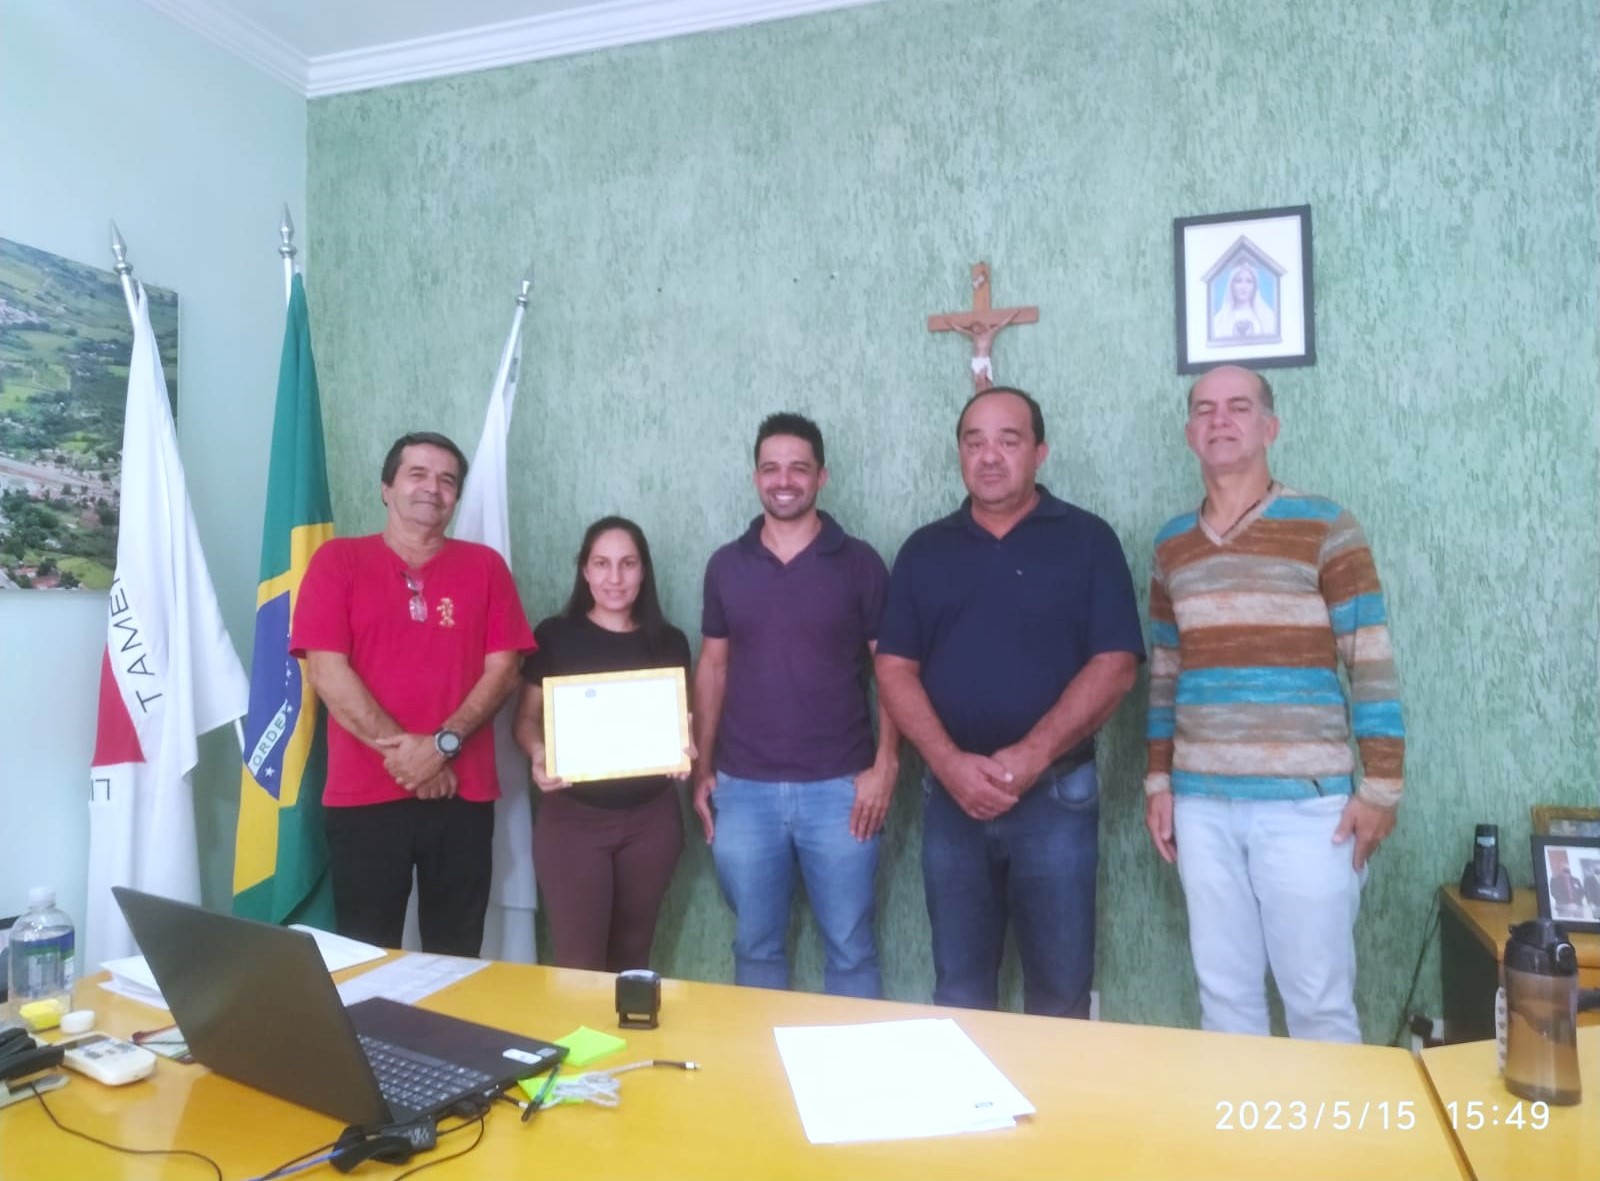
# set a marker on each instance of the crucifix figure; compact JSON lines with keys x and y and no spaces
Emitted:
{"x":982,"y":324}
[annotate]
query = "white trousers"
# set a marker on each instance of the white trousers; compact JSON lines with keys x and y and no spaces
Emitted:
{"x":1267,"y":888}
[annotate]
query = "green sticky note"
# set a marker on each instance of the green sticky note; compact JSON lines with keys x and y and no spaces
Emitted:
{"x":584,"y":1045}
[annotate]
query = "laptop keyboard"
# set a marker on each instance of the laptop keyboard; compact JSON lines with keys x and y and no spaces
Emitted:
{"x":419,"y":1082}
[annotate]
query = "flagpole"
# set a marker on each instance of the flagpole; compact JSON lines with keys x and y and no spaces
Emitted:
{"x":124,"y":269}
{"x":169,"y":672}
{"x":280,"y":865}
{"x":512,"y":357}
{"x":482,"y":515}
{"x":287,"y":251}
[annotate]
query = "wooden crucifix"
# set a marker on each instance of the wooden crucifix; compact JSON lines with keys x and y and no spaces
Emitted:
{"x":982,"y":324}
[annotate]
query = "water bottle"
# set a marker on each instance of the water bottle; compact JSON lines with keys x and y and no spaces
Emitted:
{"x":42,"y":962}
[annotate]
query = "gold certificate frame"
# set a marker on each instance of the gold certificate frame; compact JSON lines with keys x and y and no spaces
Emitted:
{"x":601,"y":726}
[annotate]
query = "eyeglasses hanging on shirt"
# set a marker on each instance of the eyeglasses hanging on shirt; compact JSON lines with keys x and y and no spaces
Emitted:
{"x":419,"y":605}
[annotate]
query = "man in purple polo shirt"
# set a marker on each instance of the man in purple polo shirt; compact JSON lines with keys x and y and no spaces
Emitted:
{"x":789,"y":769}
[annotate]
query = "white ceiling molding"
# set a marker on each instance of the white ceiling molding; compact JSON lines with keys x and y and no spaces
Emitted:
{"x":243,"y":38}
{"x":556,"y":34}
{"x":582,"y":28}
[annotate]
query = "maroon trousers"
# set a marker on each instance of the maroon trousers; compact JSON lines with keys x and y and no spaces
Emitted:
{"x":602,"y":875}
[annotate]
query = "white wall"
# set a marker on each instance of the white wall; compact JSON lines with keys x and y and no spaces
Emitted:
{"x":110,"y":110}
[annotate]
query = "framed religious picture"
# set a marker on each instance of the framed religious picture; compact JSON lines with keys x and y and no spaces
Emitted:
{"x":1552,"y":821}
{"x":1566,"y":880}
{"x":1243,"y":289}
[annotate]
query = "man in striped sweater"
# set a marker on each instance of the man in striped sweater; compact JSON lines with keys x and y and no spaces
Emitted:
{"x":1256,"y":599}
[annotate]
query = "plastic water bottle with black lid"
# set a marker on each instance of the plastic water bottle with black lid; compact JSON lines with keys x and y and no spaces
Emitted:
{"x":43,"y":961}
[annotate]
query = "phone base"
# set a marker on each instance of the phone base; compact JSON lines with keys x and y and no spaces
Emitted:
{"x":1498,"y":890}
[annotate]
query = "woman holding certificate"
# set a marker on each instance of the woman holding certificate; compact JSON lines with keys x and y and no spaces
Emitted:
{"x":604,"y":851}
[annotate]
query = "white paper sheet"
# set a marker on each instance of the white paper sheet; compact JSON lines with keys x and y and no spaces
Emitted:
{"x":894,"y":1080}
{"x":617,"y":723}
{"x":340,"y":951}
{"x":410,"y":978}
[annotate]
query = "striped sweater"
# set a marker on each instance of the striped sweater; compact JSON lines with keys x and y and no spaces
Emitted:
{"x":1247,"y":632}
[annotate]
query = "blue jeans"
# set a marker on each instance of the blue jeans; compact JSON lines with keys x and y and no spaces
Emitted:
{"x":762,"y":830}
{"x":1033,"y":866}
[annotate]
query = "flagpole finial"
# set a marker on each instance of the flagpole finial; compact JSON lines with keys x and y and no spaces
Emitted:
{"x":124,"y":269}
{"x":119,"y":251}
{"x":286,"y":247}
{"x":287,"y":251}
{"x":527,"y":285}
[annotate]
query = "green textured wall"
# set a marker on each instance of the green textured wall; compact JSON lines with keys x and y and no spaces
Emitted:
{"x":729,"y":224}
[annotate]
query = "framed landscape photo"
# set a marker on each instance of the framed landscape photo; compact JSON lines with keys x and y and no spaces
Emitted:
{"x":1566,"y":880}
{"x":1243,"y":289}
{"x":600,"y":726}
{"x":1550,"y":820}
{"x":65,"y":342}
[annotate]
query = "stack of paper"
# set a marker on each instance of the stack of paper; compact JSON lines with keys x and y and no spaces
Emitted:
{"x":894,"y":1080}
{"x":340,"y":951}
{"x":131,"y":976}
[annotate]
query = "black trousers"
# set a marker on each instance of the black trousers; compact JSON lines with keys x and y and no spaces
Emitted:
{"x":372,"y":850}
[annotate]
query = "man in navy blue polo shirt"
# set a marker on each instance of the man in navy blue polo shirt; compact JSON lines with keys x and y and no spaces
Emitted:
{"x":1010,"y":635}
{"x":789,"y":771}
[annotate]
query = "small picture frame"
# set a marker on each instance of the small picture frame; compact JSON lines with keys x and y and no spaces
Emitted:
{"x":1243,"y":289}
{"x":1551,"y":820}
{"x":1566,"y":881}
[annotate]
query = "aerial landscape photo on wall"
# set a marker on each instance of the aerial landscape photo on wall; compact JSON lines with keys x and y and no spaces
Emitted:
{"x":65,"y":342}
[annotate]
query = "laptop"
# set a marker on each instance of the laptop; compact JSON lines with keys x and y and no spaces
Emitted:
{"x":257,"y":1004}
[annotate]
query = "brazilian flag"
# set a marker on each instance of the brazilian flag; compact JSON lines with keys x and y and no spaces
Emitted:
{"x":280,"y":866}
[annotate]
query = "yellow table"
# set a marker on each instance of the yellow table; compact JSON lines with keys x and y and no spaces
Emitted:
{"x":1472,"y":940}
{"x":1114,"y":1101}
{"x":1503,"y":1137}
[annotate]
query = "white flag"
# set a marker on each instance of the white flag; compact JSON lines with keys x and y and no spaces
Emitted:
{"x":169,"y":674}
{"x":483,"y":515}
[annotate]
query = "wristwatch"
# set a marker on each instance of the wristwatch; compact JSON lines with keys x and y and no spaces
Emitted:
{"x":447,"y":743}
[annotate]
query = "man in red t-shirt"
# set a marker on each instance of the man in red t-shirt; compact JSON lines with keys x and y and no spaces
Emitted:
{"x":413,"y":642}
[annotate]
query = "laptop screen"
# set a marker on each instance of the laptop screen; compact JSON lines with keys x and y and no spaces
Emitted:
{"x":256,"y":1004}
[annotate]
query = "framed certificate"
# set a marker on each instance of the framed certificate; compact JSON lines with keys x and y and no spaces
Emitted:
{"x":616,"y":725}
